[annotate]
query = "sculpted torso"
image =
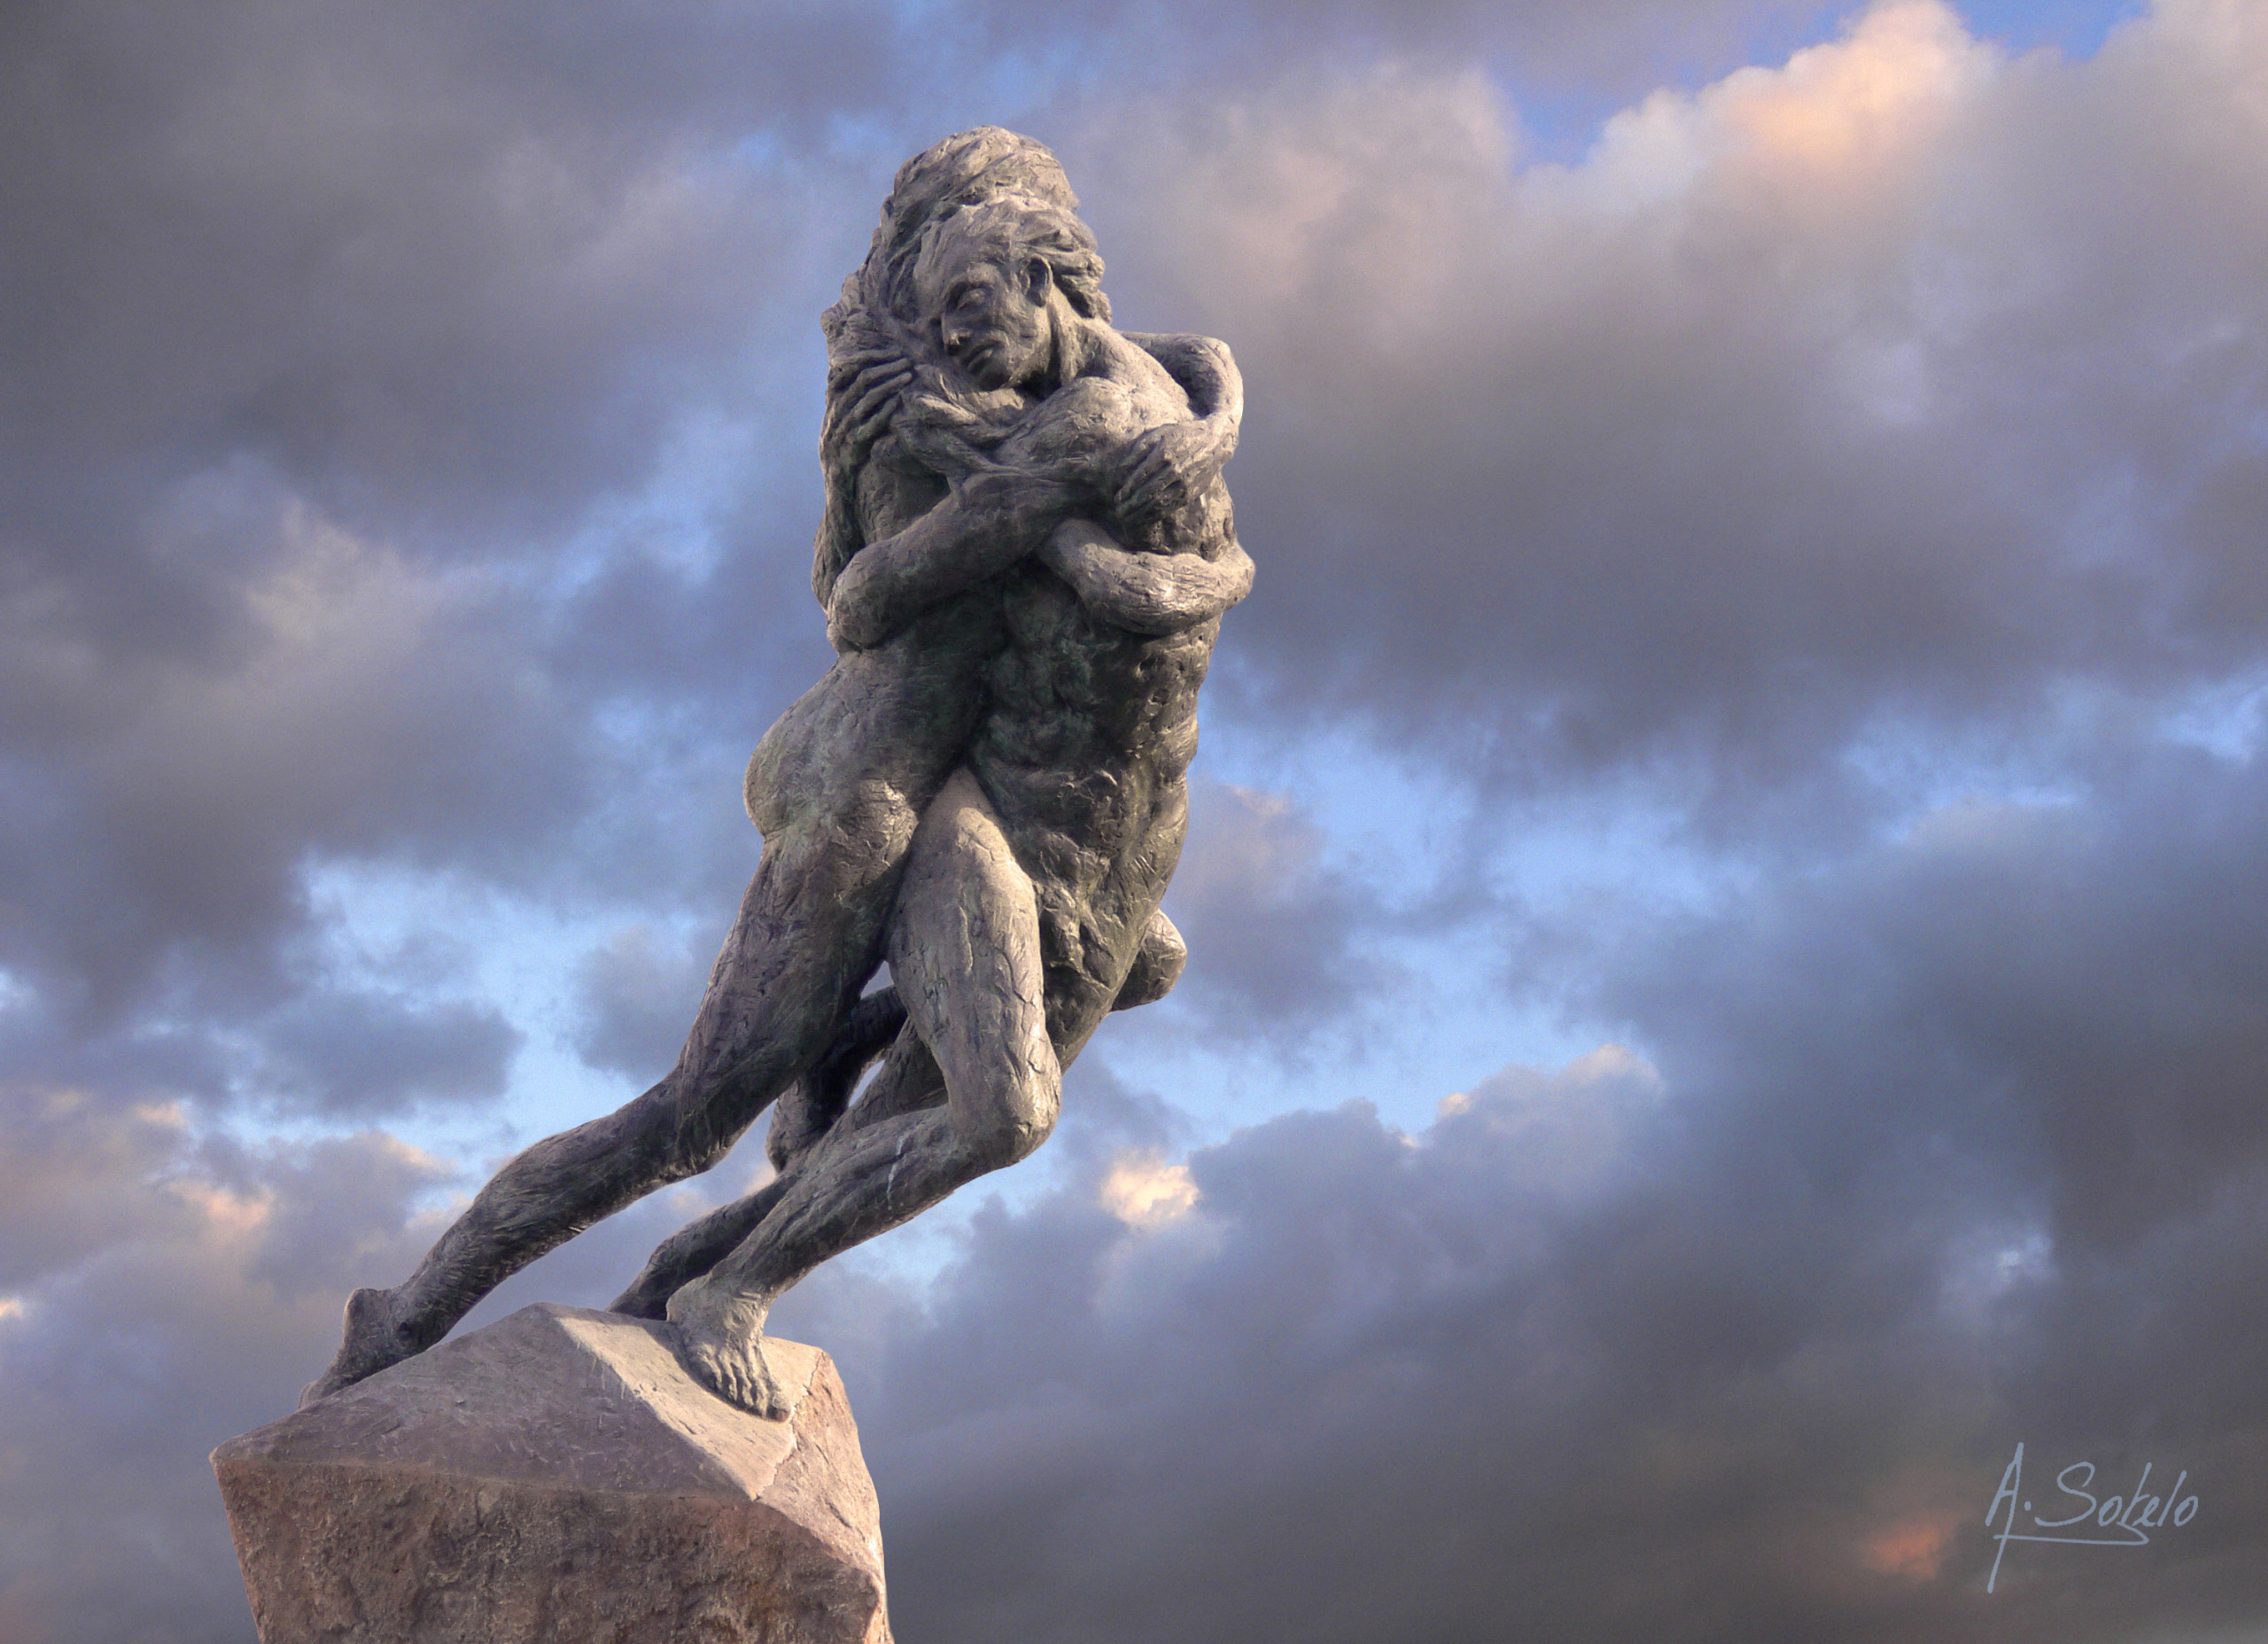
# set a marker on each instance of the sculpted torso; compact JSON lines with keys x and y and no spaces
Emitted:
{"x":1089,"y":726}
{"x":1078,"y":728}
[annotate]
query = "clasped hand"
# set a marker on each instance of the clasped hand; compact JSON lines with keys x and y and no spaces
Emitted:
{"x":1165,"y":470}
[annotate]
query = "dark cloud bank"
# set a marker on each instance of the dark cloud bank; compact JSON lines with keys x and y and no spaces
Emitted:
{"x":405,"y":438}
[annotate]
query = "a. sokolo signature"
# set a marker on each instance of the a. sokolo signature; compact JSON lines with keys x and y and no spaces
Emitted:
{"x":2133,"y":1515}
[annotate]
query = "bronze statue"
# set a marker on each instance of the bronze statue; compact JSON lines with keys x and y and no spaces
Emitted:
{"x":1025,"y":556}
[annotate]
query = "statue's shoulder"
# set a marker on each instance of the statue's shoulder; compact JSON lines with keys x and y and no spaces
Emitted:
{"x":1184,"y":354}
{"x":1203,"y":368}
{"x":1142,"y":375}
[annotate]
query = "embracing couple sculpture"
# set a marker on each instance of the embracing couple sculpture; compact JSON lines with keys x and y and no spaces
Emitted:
{"x":1025,"y":556}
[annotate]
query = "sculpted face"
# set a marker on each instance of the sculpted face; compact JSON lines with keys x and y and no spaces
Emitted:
{"x":991,"y":312}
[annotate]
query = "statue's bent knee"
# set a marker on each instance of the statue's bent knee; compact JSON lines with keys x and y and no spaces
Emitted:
{"x":1158,"y":965}
{"x":1025,"y":1122}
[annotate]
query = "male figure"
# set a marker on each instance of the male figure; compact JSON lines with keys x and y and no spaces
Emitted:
{"x":837,"y":789}
{"x":1037,"y":870}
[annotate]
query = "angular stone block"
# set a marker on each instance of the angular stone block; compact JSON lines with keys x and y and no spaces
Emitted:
{"x":557,"y":1479}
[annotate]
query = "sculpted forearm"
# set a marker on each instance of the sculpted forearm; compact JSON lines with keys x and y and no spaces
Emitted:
{"x":993,"y":521}
{"x":1171,"y":464}
{"x":836,"y":541}
{"x":1208,"y":374}
{"x":1151,"y":593}
{"x":863,"y":386}
{"x":887,"y":584}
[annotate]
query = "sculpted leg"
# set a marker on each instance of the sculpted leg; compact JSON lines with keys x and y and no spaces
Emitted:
{"x":799,"y":1119}
{"x":908,"y":1081}
{"x":806,"y":938}
{"x":693,"y":1249}
{"x":1158,"y":965}
{"x":965,"y":948}
{"x":814,"y":1102}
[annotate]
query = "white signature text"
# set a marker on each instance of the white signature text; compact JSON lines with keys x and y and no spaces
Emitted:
{"x":2130,"y":1517}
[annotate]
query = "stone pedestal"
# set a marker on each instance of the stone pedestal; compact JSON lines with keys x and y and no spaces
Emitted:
{"x":557,"y":1479}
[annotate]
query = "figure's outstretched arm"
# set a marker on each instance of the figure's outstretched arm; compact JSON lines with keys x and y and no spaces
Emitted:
{"x":1151,"y":594}
{"x":1171,"y":463}
{"x":989,"y":522}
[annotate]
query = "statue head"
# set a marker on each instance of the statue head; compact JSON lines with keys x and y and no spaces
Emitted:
{"x":966,"y":168}
{"x":996,"y":281}
{"x":943,"y":423}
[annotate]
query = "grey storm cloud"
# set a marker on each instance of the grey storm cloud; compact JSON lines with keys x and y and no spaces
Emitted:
{"x":325,"y":334}
{"x":367,"y":1053}
{"x":2064,"y":997}
{"x":125,"y":1357}
{"x":432,"y":264}
{"x":1533,"y":1369}
{"x":1536,"y":1366}
{"x":1864,"y":390}
{"x":1614,"y":49}
{"x":1277,"y":934}
{"x":1926,"y":1156}
{"x":640,"y":992}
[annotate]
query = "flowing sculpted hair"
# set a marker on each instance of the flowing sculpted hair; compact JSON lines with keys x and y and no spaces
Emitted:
{"x":966,"y":169}
{"x":880,"y":310}
{"x":1014,"y":228}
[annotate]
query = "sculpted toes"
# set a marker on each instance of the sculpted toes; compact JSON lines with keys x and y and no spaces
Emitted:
{"x":700,"y":1363}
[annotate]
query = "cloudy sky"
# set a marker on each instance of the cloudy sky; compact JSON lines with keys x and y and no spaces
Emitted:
{"x":1727,"y":899}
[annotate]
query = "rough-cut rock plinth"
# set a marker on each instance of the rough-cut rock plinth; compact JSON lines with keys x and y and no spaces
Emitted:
{"x":557,"y":1478}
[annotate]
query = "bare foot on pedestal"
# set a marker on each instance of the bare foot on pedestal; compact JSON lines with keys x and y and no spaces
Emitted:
{"x":373,"y":1341}
{"x":719,"y":1339}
